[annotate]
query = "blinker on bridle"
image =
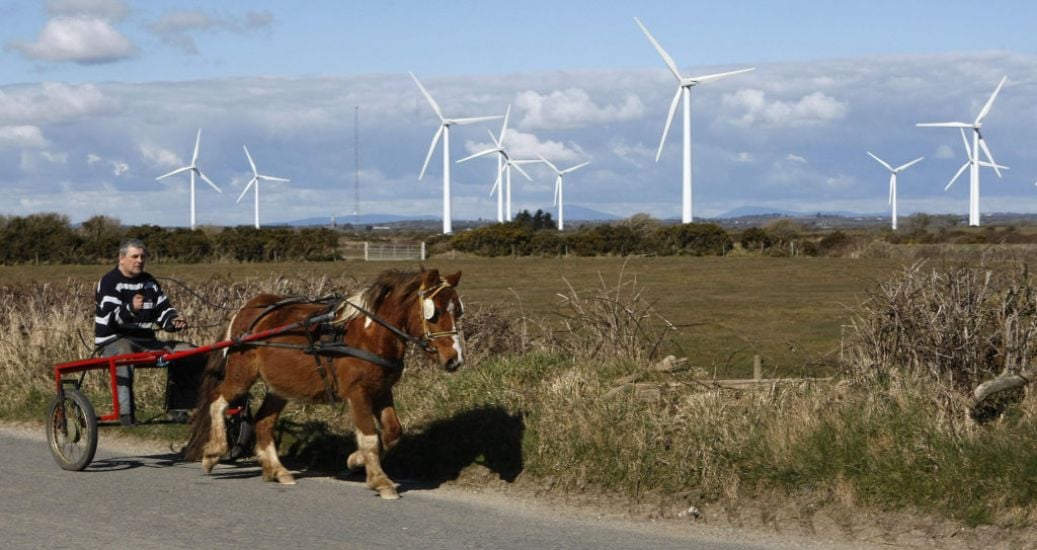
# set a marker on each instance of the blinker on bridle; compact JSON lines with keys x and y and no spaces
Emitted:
{"x":428,"y":312}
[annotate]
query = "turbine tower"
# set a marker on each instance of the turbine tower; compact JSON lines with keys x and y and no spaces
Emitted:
{"x":193,"y":168}
{"x":893,"y":183}
{"x":444,"y":131}
{"x":684,"y":86}
{"x":256,"y":176}
{"x":504,"y":164}
{"x":560,"y":174}
{"x":973,"y":152}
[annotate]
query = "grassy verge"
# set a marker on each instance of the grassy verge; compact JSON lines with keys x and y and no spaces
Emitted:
{"x":542,"y":402}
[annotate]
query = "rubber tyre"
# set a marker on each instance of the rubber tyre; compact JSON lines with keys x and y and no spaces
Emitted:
{"x":73,"y":435}
{"x":240,"y":434}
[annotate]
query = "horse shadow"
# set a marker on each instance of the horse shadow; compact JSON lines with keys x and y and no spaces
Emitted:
{"x":490,"y":437}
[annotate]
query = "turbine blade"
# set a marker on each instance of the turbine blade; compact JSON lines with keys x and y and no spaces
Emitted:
{"x":955,"y":178}
{"x":882,"y":162}
{"x":245,"y":190}
{"x":666,"y":57}
{"x":988,"y":165}
{"x":496,"y":141}
{"x":575,"y":168}
{"x":990,"y":102}
{"x":473,"y":120}
{"x":479,"y":154}
{"x":207,"y":180}
{"x":965,"y":140}
{"x":197,"y":142}
{"x":558,"y":187}
{"x":428,"y":157}
{"x":912,"y":163}
{"x":519,"y":168}
{"x":496,"y":184}
{"x":669,"y":120}
{"x":717,"y":76}
{"x":986,"y":150}
{"x":504,"y":127}
{"x":174,"y":172}
{"x":428,"y":96}
{"x":272,"y":178}
{"x":943,"y":125}
{"x":250,"y":161}
{"x":547,"y":162}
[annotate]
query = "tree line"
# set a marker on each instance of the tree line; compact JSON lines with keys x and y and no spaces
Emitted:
{"x":51,"y":238}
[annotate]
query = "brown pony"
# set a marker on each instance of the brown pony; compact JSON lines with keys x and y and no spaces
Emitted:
{"x":422,"y":307}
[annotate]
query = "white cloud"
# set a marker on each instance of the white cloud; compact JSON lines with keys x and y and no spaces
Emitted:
{"x":118,"y":167}
{"x":522,"y":145}
{"x":944,"y":152}
{"x":22,"y":136}
{"x":106,"y":9}
{"x":175,"y":28}
{"x":54,"y":158}
{"x":841,"y":181}
{"x":80,"y":39}
{"x":795,"y":158}
{"x":750,"y":107}
{"x":161,"y":158}
{"x":53,"y":102}
{"x":745,"y":157}
{"x":572,"y":108}
{"x":636,"y":154}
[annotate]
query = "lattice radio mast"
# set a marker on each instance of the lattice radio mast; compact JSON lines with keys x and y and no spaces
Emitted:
{"x":356,"y":162}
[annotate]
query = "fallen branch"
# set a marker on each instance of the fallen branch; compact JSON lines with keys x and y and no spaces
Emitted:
{"x":1005,"y":381}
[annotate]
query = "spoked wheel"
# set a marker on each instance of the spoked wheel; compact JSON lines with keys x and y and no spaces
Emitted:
{"x":240,"y":432}
{"x":72,"y":430}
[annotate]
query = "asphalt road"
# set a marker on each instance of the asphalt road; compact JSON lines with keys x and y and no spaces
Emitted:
{"x":139,"y":496}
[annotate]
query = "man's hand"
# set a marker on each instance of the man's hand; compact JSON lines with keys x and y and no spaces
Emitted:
{"x":138,"y":302}
{"x":178,"y":323}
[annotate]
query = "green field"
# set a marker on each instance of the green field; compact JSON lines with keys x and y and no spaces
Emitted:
{"x":788,"y":310}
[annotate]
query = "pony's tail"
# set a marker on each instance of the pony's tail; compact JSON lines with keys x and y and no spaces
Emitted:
{"x":201,"y":424}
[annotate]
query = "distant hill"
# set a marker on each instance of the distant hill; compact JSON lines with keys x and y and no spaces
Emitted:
{"x":747,"y":211}
{"x":363,"y":219}
{"x":574,"y":212}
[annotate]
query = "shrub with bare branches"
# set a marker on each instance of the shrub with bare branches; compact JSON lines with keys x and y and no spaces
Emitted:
{"x":958,"y":326}
{"x":612,"y":321}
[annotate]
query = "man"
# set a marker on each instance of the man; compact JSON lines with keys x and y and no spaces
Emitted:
{"x":130,"y":304}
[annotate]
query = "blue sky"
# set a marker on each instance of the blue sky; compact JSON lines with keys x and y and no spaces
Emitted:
{"x":98,"y":97}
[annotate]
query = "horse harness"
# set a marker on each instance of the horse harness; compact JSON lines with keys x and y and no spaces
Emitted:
{"x":326,"y":335}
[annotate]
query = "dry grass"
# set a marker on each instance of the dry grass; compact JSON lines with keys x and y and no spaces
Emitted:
{"x":539,"y":396}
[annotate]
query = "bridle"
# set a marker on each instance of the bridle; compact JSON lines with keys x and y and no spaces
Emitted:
{"x":428,"y":312}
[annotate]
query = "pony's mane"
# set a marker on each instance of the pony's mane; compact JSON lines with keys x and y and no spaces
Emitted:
{"x":403,"y":283}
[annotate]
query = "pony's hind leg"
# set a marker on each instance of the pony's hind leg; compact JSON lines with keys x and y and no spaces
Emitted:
{"x":266,"y":449}
{"x":216,"y":447}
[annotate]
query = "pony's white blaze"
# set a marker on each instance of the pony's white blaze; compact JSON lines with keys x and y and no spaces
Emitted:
{"x":456,"y":339}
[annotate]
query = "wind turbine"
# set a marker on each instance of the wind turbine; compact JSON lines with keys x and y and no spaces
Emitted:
{"x":256,"y":176}
{"x":684,"y":86}
{"x":444,"y":131}
{"x":558,"y":187}
{"x":977,"y":143}
{"x":193,"y":168}
{"x":893,"y":182}
{"x":504,"y":164}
